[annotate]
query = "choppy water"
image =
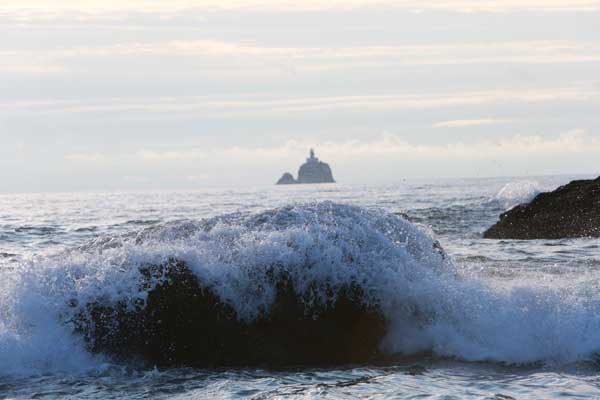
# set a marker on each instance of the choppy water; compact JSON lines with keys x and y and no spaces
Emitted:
{"x":523,"y":320}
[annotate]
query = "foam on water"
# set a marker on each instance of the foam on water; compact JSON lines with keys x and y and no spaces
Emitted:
{"x":430,"y":303}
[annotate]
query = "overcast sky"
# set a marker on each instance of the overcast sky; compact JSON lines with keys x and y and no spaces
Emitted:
{"x":145,"y":94}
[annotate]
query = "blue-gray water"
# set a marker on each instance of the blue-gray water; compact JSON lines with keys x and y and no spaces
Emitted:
{"x":531,"y":331}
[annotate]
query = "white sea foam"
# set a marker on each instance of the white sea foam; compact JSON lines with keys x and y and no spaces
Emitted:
{"x":517,"y":192}
{"x":430,"y":304}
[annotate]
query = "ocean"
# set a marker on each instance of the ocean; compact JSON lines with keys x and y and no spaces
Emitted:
{"x":489,"y":319}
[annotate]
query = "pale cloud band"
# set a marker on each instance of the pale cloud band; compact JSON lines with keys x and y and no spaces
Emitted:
{"x":290,"y":5}
{"x":462,"y":123}
{"x":390,"y":145}
{"x":272,"y":106}
{"x":250,"y":59}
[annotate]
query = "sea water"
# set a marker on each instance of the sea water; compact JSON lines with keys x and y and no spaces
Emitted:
{"x":504,"y":319}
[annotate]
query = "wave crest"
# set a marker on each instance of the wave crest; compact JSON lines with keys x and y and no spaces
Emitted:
{"x":325,"y":252}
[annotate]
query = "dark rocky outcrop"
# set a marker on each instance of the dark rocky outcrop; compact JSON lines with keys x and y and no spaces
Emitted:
{"x":183,"y":323}
{"x":312,"y":171}
{"x":286,"y":179}
{"x":315,"y":171}
{"x":570,"y":211}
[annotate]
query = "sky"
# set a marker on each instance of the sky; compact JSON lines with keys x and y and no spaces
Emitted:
{"x":182,"y":94}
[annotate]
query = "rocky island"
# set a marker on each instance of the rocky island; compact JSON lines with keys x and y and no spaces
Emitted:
{"x":312,"y":171}
{"x":571,"y":211}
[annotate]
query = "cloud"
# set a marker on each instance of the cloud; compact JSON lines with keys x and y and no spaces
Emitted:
{"x":253,"y":59}
{"x":172,"y":155}
{"x":260,"y":106}
{"x":235,"y":153}
{"x":86,"y":157}
{"x":461,"y":123}
{"x":31,"y":69}
{"x":196,"y":178}
{"x":391,"y":146}
{"x":222,"y":47}
{"x":180,"y":6}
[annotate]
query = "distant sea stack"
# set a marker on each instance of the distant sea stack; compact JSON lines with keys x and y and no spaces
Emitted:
{"x":571,"y":211}
{"x":312,"y":171}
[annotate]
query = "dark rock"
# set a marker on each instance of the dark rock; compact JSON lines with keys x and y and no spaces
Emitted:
{"x":286,"y":179}
{"x":315,"y":172}
{"x":183,"y":323}
{"x":570,"y":211}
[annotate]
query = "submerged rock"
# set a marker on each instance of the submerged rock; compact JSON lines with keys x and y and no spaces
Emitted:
{"x":312,"y":171}
{"x":183,"y":323}
{"x":570,"y":211}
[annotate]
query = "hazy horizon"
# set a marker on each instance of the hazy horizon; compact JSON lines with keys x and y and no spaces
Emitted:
{"x":138,"y":95}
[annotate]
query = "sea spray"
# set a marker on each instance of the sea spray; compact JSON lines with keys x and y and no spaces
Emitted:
{"x":322,"y":249}
{"x":428,"y":303}
{"x":517,"y":192}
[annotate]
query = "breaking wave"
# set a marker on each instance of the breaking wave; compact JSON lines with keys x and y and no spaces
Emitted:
{"x":517,"y":192}
{"x":429,"y":303}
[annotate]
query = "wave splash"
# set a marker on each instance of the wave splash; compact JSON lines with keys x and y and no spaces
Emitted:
{"x":427,"y":303}
{"x":517,"y":192}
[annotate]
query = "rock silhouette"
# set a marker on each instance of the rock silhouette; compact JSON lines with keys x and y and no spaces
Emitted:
{"x":312,"y":171}
{"x":286,"y":179}
{"x":571,"y":211}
